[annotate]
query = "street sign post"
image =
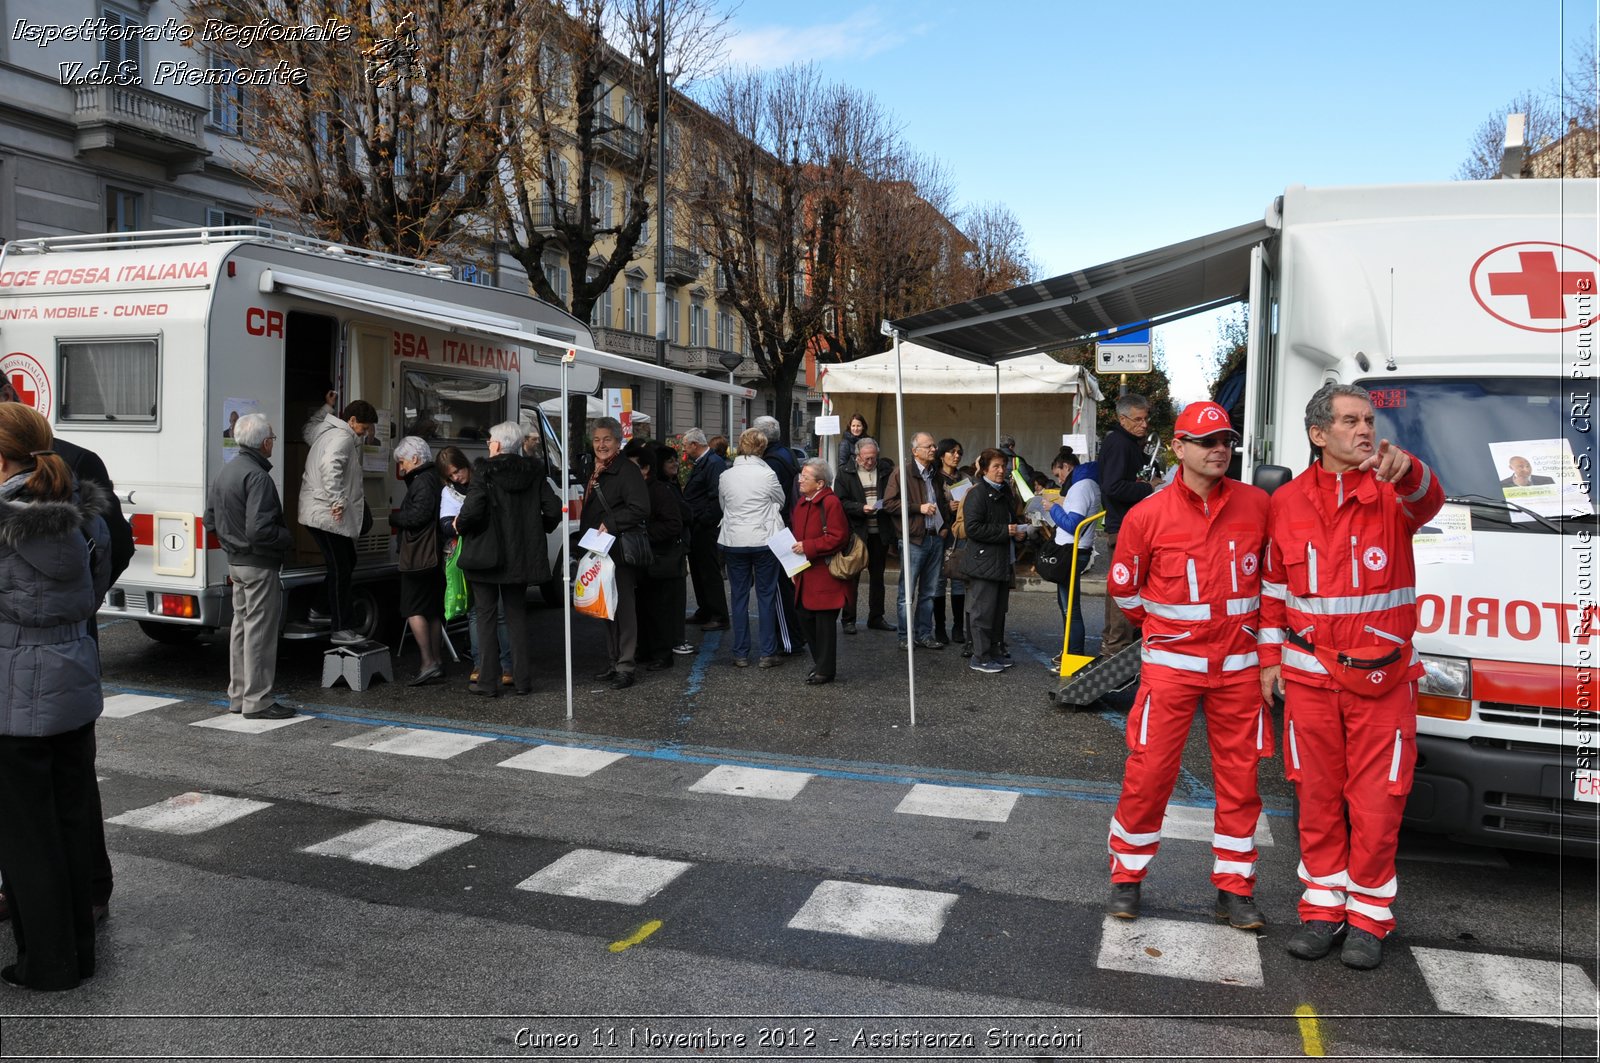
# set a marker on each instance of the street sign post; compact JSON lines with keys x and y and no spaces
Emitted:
{"x":1128,"y":353}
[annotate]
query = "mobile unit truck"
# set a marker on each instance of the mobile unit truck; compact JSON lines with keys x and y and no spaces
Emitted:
{"x":145,"y":347}
{"x":1468,"y":311}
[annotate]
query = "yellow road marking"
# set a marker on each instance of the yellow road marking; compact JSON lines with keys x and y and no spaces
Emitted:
{"x":1310,"y":1028}
{"x":639,"y":935}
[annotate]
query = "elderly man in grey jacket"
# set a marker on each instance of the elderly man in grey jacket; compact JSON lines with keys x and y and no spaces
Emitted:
{"x":244,"y":511}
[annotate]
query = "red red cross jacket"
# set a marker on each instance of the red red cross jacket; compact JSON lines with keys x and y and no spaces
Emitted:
{"x":1188,"y":571}
{"x":1340,"y":571}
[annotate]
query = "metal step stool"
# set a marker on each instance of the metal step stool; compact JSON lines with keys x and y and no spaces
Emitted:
{"x":1103,"y":677}
{"x":358,"y":664}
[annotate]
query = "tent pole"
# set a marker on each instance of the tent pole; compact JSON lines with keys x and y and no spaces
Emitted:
{"x":909,"y":631}
{"x":566,"y":535}
{"x":996,"y":404}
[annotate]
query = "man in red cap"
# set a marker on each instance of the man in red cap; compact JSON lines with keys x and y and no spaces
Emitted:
{"x":1340,"y":607}
{"x":1187,"y":569}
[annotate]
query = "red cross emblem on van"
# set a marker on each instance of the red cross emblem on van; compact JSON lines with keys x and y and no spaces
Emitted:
{"x":1537,"y":285}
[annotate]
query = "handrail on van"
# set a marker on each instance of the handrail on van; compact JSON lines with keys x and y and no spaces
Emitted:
{"x":211,"y":234}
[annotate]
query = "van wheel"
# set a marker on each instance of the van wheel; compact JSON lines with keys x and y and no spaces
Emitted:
{"x":550,"y":590}
{"x":169,"y":634}
{"x":373,"y":615}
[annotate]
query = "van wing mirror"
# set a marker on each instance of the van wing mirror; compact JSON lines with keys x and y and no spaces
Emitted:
{"x":1271,"y":477}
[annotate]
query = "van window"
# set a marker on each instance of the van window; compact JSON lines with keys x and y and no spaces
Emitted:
{"x":109,"y":380}
{"x":452,"y":407}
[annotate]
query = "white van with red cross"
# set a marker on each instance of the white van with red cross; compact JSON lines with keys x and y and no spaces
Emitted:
{"x":1468,"y":310}
{"x":146,"y":347}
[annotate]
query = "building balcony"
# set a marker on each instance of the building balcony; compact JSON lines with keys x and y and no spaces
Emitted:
{"x":680,"y":264}
{"x":134,"y":120}
{"x":621,"y":341}
{"x":619,"y":143}
{"x":709,"y":360}
{"x":547,"y":214}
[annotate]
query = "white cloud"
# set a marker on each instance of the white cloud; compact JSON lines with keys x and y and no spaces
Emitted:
{"x":861,"y":36}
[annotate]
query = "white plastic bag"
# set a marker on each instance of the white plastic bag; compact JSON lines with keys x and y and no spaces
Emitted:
{"x":594,"y":592}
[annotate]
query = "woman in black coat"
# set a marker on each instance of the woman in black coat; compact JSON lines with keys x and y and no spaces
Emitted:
{"x":987,"y":558}
{"x":421,"y":566}
{"x":616,"y":500}
{"x":503,"y":521}
{"x":662,"y":599}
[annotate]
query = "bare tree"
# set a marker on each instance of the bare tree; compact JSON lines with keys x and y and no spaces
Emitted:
{"x":391,"y":140}
{"x":784,"y":160}
{"x":998,"y":257}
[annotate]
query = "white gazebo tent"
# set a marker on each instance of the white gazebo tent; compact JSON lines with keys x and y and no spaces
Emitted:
{"x":1033,"y":398}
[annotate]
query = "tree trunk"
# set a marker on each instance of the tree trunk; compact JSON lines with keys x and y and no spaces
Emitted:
{"x":783,"y":398}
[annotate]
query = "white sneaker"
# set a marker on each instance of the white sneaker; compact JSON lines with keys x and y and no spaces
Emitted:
{"x":686,"y":649}
{"x":346,"y":638}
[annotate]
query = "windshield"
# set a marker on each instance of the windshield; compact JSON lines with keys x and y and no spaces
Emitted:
{"x":1505,"y":438}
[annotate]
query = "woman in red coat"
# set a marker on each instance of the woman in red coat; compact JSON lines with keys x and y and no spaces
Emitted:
{"x":821,"y":530}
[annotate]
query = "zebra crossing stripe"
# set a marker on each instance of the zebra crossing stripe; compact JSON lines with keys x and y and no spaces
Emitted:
{"x":1542,"y":991}
{"x":401,"y":846}
{"x":563,"y":760}
{"x":1196,"y":825}
{"x":1202,"y":952}
{"x":601,"y":876}
{"x":190,"y":813}
{"x":878,"y":913}
{"x":235,"y":722}
{"x":752,"y":782}
{"x":958,"y":802}
{"x":410,"y":742}
{"x":121,"y":706}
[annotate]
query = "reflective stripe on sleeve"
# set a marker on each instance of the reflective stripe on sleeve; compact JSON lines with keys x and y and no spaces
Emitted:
{"x":1131,"y":602}
{"x":1274,"y":590}
{"x":1244,"y":606}
{"x":1427,"y":481}
{"x":1270,"y":636}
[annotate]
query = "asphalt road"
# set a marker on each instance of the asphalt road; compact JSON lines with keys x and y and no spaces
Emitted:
{"x":721,"y":853}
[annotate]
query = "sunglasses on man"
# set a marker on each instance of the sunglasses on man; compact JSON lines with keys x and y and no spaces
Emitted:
{"x":1210,"y":442}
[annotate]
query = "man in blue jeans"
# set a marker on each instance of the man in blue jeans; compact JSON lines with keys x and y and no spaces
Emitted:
{"x":918,"y":499}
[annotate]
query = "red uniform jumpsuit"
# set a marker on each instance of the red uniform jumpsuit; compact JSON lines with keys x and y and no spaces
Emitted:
{"x":1187,"y":570}
{"x":1340,"y":573}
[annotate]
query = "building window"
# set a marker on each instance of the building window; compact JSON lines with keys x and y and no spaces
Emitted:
{"x":555,"y":71}
{"x":122,"y":54}
{"x":600,"y":196}
{"x":109,"y":381}
{"x":699,"y":409}
{"x":227,"y":101}
{"x":556,"y":171}
{"x":666,"y":429}
{"x":724,"y":330}
{"x":222,"y":217}
{"x":635,"y":309}
{"x":699,"y":325}
{"x":557,"y":276}
{"x":600,"y":313}
{"x":674,"y":326}
{"x":124,"y":210}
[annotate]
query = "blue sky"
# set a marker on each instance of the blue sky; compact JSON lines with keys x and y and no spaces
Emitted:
{"x":1111,"y":128}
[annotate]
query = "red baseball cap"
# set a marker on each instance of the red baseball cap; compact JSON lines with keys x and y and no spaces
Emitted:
{"x":1201,"y":419}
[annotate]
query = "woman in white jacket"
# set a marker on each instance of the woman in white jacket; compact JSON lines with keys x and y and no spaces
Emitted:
{"x":752,"y":512}
{"x":331,"y":505}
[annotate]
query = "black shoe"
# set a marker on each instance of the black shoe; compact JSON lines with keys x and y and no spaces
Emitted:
{"x":1363,"y":949}
{"x":483,"y":691}
{"x":1124,"y":902}
{"x":930,"y":643}
{"x":523,"y":692}
{"x":102,"y":912}
{"x":741,"y":662}
{"x":817,"y":680}
{"x":623,"y":681}
{"x":966,"y":648}
{"x":609,"y":673}
{"x":696,"y":617}
{"x":658,"y":664}
{"x":1239,"y":911}
{"x":275,"y":711}
{"x":876,"y":623}
{"x":942,"y":638}
{"x":1315,"y":939}
{"x":849,"y":627}
{"x":769,"y":662}
{"x":426,"y":676}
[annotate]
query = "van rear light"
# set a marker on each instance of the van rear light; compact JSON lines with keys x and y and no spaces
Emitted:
{"x":1444,"y":708}
{"x":186,"y":606}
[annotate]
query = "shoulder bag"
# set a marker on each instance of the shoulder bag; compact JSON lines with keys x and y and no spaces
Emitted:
{"x":635,"y":542}
{"x":847,"y":562}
